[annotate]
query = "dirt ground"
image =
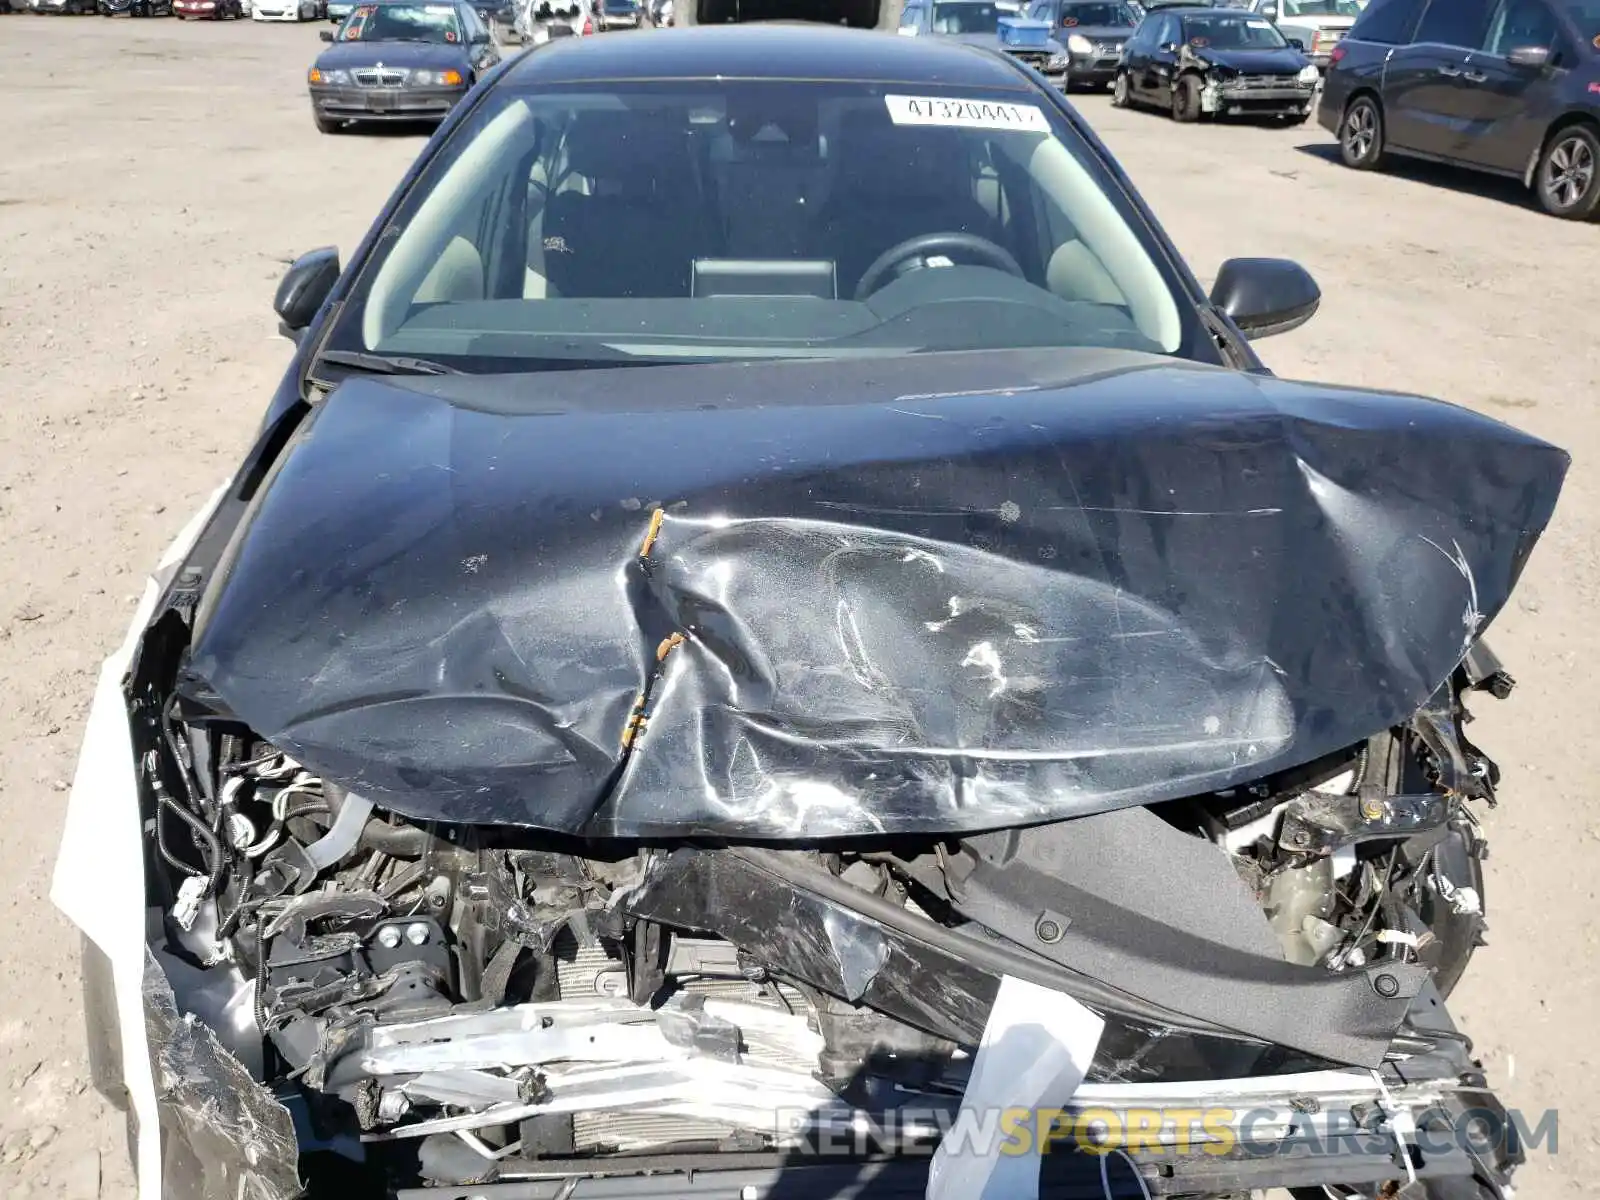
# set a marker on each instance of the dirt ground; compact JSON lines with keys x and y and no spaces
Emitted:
{"x":155,"y":177}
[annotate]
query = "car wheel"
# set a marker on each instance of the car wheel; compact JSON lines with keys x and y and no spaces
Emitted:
{"x":1361,"y":134}
{"x":1568,"y":178}
{"x":1186,"y":99}
{"x":1119,"y":90}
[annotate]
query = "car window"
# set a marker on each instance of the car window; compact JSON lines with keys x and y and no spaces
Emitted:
{"x":1096,"y":14}
{"x":1585,"y":15}
{"x":1321,"y":8}
{"x":1228,"y":31}
{"x":1519,"y":23}
{"x":1454,"y":23}
{"x":693,"y":221}
{"x":1388,"y":22}
{"x":970,"y":16}
{"x":402,"y":23}
{"x":1167,"y":34}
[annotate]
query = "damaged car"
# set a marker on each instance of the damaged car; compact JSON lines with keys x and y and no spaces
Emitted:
{"x":1195,"y":61}
{"x":772,"y":627}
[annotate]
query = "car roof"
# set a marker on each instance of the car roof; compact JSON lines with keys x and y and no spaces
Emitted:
{"x":769,"y":50}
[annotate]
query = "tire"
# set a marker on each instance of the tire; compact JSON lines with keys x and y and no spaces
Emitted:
{"x":1567,"y":179}
{"x":1361,"y":134}
{"x":1120,"y":92}
{"x":1186,"y":100}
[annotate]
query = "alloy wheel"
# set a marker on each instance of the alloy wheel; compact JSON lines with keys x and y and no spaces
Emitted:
{"x":1568,"y":172}
{"x":1360,"y":132}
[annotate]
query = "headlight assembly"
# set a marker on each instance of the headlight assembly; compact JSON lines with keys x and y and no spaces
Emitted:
{"x":1057,"y":62}
{"x":332,"y":78}
{"x":448,"y":78}
{"x":1309,"y":73}
{"x":1079,"y":44}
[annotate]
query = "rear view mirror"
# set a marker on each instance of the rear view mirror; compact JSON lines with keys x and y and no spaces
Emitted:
{"x":327,"y":35}
{"x":306,"y":284}
{"x":1529,"y":56}
{"x":1264,"y":296}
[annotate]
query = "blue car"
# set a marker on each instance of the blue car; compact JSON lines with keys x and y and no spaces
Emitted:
{"x":995,"y":23}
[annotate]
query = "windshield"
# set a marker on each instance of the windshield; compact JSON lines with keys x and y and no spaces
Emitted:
{"x":1097,"y":14}
{"x":705,"y":221}
{"x":402,"y":23}
{"x":1224,"y":31}
{"x":1321,"y":8}
{"x":970,"y":16}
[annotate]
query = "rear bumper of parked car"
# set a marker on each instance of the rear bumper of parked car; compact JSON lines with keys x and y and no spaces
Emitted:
{"x":385,"y":104}
{"x":196,"y":8}
{"x":1233,"y":99}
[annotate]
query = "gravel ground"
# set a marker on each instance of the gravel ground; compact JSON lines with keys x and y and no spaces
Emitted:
{"x":147,"y":210}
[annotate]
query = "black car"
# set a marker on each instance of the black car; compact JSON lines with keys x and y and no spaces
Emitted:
{"x":1511,"y":87}
{"x":769,"y":602}
{"x":399,"y":60}
{"x":1213,"y":62}
{"x":1092,"y":34}
{"x":134,"y":8}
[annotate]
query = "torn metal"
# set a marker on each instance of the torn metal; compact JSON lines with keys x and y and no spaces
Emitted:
{"x":640,"y":608}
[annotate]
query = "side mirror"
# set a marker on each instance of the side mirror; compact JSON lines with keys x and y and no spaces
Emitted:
{"x":1298,"y":43}
{"x":1529,"y":56}
{"x":327,"y":35}
{"x":1264,"y":296}
{"x":1169,"y":47}
{"x":1269,"y":11}
{"x":305,"y":286}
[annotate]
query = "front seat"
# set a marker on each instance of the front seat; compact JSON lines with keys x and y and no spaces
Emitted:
{"x":639,"y":226}
{"x":894,"y":182}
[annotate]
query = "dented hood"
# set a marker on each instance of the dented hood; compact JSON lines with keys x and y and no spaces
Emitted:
{"x":803,"y":600}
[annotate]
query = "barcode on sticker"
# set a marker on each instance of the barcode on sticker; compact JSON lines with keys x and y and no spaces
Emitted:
{"x":965,"y":114}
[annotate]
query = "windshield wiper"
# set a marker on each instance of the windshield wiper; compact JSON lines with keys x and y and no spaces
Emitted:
{"x":386,"y":364}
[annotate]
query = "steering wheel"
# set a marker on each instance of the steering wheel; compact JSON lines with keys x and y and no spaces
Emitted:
{"x":915,"y":251}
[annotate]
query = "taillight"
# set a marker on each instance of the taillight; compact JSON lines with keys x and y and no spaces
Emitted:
{"x":588,"y":26}
{"x":1336,"y":54}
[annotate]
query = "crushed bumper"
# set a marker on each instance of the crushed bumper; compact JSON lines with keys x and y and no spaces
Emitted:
{"x":1241,"y":100}
{"x":384,"y":104}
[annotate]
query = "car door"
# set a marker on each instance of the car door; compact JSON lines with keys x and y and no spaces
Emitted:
{"x":1162,"y":61}
{"x":481,"y":52}
{"x":1506,"y":102}
{"x":1425,"y":102}
{"x":1136,"y":50}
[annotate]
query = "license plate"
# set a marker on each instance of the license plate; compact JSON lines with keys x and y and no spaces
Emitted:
{"x":380,"y":103}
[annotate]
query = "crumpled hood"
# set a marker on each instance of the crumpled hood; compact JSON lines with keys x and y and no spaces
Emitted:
{"x":800,"y":600}
{"x":1285,"y":61}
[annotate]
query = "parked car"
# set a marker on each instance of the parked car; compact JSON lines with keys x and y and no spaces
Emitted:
{"x":211,"y":10}
{"x":1092,"y":32}
{"x":1315,"y":24}
{"x":287,"y":10}
{"x":495,"y":14}
{"x":338,"y":10}
{"x":608,"y":740}
{"x":1214,"y":62}
{"x":620,"y":14}
{"x":68,"y":8}
{"x":135,"y":8}
{"x":538,"y":21}
{"x":661,"y":14}
{"x":399,"y":60}
{"x":998,"y":24}
{"x":1509,"y":87}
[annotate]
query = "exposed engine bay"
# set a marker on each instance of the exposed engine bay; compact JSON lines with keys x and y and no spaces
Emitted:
{"x":448,"y":1004}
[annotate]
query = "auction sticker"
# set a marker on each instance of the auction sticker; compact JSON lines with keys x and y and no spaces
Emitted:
{"x":965,"y":114}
